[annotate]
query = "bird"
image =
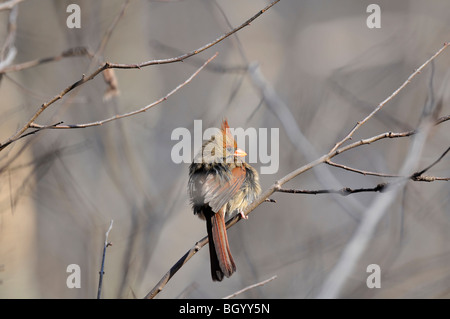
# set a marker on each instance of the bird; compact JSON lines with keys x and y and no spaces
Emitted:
{"x":221,"y":185}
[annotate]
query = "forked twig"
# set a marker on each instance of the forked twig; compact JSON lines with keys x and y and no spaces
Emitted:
{"x":120,"y":116}
{"x":108,"y":65}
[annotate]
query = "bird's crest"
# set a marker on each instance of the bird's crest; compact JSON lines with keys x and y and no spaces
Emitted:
{"x":228,"y":139}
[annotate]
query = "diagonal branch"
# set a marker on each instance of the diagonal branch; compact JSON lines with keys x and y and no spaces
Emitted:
{"x":390,"y":97}
{"x":73,"y":52}
{"x":258,"y":284}
{"x":120,"y":116}
{"x":108,"y":65}
{"x":8,"y":5}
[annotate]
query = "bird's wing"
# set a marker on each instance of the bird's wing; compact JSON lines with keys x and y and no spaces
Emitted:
{"x":219,"y":191}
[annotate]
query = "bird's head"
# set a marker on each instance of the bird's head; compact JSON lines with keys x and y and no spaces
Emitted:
{"x":222,"y":148}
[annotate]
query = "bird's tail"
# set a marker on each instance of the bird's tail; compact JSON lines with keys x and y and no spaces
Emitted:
{"x":222,"y":262}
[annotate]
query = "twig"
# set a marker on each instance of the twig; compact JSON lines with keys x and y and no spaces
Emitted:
{"x":108,"y":65}
{"x":73,"y":52}
{"x":217,"y":68}
{"x":418,"y":176}
{"x":106,"y":245}
{"x":415,"y":175}
{"x":197,"y":51}
{"x":120,"y":116}
{"x":382,"y":104}
{"x":250,"y":287}
{"x":336,"y":279}
{"x":173,"y":270}
{"x":109,"y":32}
{"x":31,"y":133}
{"x":343,"y":191}
{"x":355,"y":170}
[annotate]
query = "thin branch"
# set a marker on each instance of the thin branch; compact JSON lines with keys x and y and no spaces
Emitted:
{"x":120,"y":116}
{"x":106,"y":245}
{"x":217,"y":68}
{"x":197,"y":51}
{"x":250,"y":287}
{"x":442,"y":119}
{"x":418,"y":177}
{"x":73,"y":52}
{"x":109,"y":32}
{"x":355,"y":170}
{"x":382,"y":104}
{"x":108,"y":65}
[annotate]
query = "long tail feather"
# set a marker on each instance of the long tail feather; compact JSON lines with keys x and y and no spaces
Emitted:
{"x":222,"y":263}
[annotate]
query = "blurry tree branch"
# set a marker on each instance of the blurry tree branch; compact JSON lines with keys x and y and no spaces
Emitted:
{"x":261,"y":283}
{"x":417,"y":176}
{"x":389,"y":98}
{"x":73,"y":52}
{"x":337,"y":277}
{"x":343,"y":191}
{"x":109,"y":32}
{"x":8,"y":5}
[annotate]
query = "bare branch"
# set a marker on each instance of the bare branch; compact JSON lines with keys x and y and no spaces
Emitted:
{"x":173,"y":270}
{"x":250,"y":287}
{"x":355,"y":170}
{"x":109,"y":32}
{"x":73,"y":52}
{"x":431,"y":165}
{"x":108,"y":65}
{"x":197,"y":51}
{"x":389,"y":98}
{"x":343,"y":191}
{"x":120,"y":116}
{"x":336,"y":279}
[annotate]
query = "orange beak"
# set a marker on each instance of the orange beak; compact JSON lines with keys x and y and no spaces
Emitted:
{"x":239,"y":153}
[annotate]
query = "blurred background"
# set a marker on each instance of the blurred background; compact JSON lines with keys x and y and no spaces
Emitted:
{"x":60,"y":189}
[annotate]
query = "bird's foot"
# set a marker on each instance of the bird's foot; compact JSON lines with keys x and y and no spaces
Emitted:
{"x":243,"y":215}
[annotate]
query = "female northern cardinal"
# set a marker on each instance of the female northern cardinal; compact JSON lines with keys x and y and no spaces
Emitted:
{"x":220,"y":184}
